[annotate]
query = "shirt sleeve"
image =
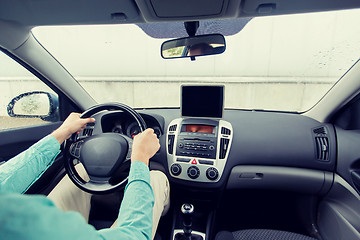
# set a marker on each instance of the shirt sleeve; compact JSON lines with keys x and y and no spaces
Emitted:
{"x":20,"y":172}
{"x":135,"y":219}
{"x":36,"y":217}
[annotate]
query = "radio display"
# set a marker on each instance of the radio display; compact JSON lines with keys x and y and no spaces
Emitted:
{"x":199,"y":128}
{"x":202,"y":101}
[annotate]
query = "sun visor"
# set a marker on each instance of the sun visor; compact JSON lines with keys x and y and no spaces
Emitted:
{"x":68,"y":12}
{"x":187,"y":8}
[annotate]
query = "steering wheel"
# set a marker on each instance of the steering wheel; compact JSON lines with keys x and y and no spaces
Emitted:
{"x":105,"y":156}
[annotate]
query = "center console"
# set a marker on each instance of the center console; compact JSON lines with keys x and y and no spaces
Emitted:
{"x":197,"y":149}
{"x":197,"y":146}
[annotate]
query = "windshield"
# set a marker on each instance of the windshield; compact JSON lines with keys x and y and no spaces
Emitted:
{"x":283,"y":63}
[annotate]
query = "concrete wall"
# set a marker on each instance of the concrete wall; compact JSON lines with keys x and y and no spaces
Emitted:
{"x":291,"y":94}
{"x":243,"y":93}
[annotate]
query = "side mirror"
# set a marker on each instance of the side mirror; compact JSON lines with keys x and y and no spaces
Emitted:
{"x":37,"y":104}
{"x":192,"y":47}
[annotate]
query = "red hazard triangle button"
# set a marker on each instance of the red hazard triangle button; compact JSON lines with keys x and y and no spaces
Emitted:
{"x":194,"y":161}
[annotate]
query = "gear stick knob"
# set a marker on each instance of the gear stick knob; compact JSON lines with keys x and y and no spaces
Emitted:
{"x":187,"y":210}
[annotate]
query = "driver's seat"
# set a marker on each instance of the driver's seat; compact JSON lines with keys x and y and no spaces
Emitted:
{"x":261,"y":234}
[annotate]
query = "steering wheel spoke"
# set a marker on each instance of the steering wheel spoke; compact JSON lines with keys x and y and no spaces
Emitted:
{"x":130,"y":142}
{"x":75,"y":148}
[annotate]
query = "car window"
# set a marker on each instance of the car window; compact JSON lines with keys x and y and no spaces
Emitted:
{"x":283,"y":63}
{"x":23,"y":94}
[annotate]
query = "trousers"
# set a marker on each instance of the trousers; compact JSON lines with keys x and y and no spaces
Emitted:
{"x":68,"y":197}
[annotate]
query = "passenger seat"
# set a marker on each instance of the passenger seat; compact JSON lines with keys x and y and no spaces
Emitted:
{"x":261,"y":234}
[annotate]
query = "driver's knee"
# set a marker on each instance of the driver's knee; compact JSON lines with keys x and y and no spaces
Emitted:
{"x":161,"y":189}
{"x":68,"y":197}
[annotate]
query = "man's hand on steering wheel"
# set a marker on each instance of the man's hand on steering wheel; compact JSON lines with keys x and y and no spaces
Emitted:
{"x":145,"y":145}
{"x":72,"y":124}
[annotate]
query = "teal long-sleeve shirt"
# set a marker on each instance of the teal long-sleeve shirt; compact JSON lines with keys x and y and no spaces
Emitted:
{"x":36,"y":217}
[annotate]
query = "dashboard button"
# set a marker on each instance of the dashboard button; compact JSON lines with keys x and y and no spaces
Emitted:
{"x":212,"y":173}
{"x":193,"y":172}
{"x":175,"y":169}
{"x":186,"y":160}
{"x":206,"y":162}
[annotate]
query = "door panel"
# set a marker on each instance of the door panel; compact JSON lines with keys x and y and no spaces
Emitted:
{"x":14,"y":141}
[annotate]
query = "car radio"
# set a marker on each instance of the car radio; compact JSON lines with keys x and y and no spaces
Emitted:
{"x":197,"y":149}
{"x":195,"y":140}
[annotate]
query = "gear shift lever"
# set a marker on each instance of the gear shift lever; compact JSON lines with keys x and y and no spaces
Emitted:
{"x":187,"y":211}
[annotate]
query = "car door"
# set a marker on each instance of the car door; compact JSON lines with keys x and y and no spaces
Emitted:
{"x":29,"y":110}
{"x":339,"y":211}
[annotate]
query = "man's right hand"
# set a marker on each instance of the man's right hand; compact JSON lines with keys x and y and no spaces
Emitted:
{"x":145,"y":145}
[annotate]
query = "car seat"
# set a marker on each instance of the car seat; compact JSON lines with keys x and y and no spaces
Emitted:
{"x":261,"y":234}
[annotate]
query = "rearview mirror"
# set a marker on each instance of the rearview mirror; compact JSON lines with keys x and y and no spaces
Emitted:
{"x":200,"y":45}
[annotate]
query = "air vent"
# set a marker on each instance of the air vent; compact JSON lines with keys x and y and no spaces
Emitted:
{"x":171,"y":143}
{"x":320,"y":130}
{"x":225,"y":131}
{"x":224,"y":145}
{"x":87,"y":132}
{"x":322,"y":148}
{"x":172,"y":128}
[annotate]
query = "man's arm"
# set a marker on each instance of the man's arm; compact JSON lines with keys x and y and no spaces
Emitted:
{"x":135,"y":219}
{"x":36,"y":217}
{"x":136,"y":211}
{"x":20,"y":172}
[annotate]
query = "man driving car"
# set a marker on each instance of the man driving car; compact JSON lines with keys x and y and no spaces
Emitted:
{"x":38,"y":217}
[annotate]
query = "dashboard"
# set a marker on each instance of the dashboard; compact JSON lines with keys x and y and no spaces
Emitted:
{"x":213,"y":149}
{"x":264,"y":149}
